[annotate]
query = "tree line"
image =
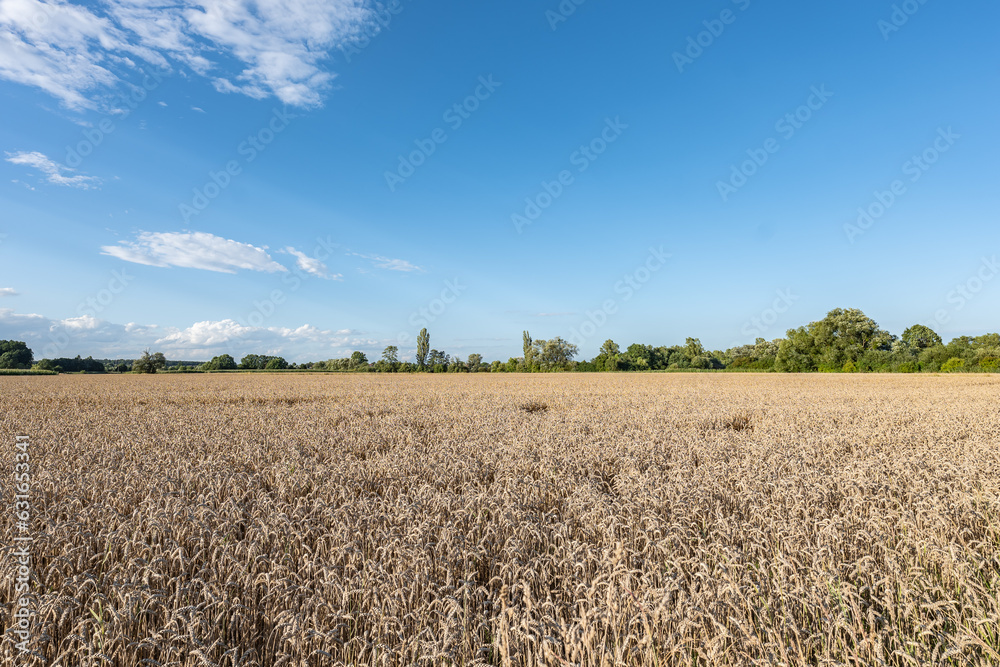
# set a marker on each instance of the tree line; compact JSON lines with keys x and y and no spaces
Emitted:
{"x":846,"y":340}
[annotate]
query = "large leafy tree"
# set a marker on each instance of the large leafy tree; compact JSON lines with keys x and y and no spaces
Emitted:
{"x":554,"y":354}
{"x":843,"y":336}
{"x":475,"y":361}
{"x":920,"y":337}
{"x":149,"y":363}
{"x":15,"y":354}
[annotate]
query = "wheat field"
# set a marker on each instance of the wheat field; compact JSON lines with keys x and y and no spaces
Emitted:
{"x":697,"y":519}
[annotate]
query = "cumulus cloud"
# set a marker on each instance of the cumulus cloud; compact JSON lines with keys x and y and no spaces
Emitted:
{"x":76,"y":52}
{"x":312,"y":265}
{"x":55,"y":173}
{"x":89,"y":336}
{"x":193,"y":250}
{"x":8,"y":291}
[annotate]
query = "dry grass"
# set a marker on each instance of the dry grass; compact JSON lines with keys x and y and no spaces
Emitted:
{"x":396,"y":520}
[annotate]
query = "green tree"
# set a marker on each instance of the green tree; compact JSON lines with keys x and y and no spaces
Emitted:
{"x":223,"y":362}
{"x":390,"y":354}
{"x":359,"y":360}
{"x":149,"y":363}
{"x":529,"y":351}
{"x":475,"y":361}
{"x":552,"y":355}
{"x":15,"y":354}
{"x":436,"y":358}
{"x":423,"y":348}
{"x":276,"y":364}
{"x":920,"y":337}
{"x":608,"y":356}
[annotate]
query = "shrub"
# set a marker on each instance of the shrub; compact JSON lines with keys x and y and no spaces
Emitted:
{"x":952,"y":365}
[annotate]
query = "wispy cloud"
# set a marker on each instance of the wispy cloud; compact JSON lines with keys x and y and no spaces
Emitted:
{"x":8,"y":291}
{"x":389,"y":264}
{"x":193,"y":250}
{"x":312,"y":265}
{"x":198,"y":109}
{"x":79,"y":53}
{"x":55,"y":173}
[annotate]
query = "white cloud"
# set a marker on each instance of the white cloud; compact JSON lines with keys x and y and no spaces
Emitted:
{"x":55,"y":172}
{"x":193,"y":250}
{"x":312,"y":265}
{"x":198,"y":109}
{"x":162,"y":103}
{"x":79,"y":53}
{"x":390,"y":264}
{"x":8,"y":291}
{"x":89,"y":336}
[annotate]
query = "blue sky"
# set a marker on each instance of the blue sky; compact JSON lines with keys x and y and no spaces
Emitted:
{"x":309,"y":178}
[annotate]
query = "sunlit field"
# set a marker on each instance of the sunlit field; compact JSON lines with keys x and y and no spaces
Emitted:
{"x":474,"y":519}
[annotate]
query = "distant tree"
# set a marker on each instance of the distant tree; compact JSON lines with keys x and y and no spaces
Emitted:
{"x":223,"y":362}
{"x":122,"y":368}
{"x":552,"y":355}
{"x":359,"y":360}
{"x":920,"y":337}
{"x":423,"y":347}
{"x":497,"y":367}
{"x":149,"y":363}
{"x":608,"y":357}
{"x":437,"y":358}
{"x":529,"y":351}
{"x":15,"y":354}
{"x":693,"y":348}
{"x":253,"y":362}
{"x":474,"y":362}
{"x":391,"y":354}
{"x":276,"y":364}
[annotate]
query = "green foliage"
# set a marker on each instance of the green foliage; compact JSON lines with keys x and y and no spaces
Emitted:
{"x":223,"y":362}
{"x":15,"y":354}
{"x":276,"y":364}
{"x":423,"y":345}
{"x":391,"y":354}
{"x":920,"y":337}
{"x":475,"y":363}
{"x":952,"y":365}
{"x":552,"y":355}
{"x":990,"y":364}
{"x":528,"y":346}
{"x":149,"y":363}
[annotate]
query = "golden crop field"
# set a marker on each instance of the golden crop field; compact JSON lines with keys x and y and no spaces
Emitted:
{"x":668,"y":519}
